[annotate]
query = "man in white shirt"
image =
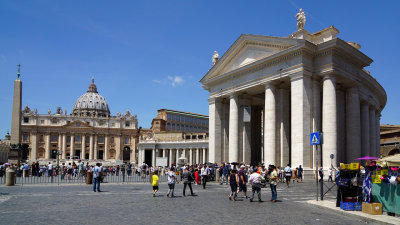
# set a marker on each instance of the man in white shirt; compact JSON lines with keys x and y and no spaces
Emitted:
{"x":50,"y":169}
{"x":205,"y":171}
{"x":288,"y":174}
{"x":255,"y":183}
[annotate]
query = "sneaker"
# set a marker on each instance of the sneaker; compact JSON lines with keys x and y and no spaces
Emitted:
{"x":251,"y":200}
{"x":230,"y":198}
{"x":154,"y":195}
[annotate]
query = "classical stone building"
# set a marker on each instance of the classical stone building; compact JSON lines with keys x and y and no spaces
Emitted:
{"x":390,"y":140}
{"x":5,"y":148}
{"x":89,"y":133}
{"x":173,"y":135}
{"x":267,"y":94}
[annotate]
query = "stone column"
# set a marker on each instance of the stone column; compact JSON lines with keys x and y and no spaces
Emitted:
{"x":83,"y":148}
{"x":329,"y":121}
{"x":215,"y":129}
{"x":365,"y":138}
{"x":378,"y":134}
{"x":197,"y":155}
{"x":133,"y":149}
{"x":233,"y":129}
{"x":95,"y":152}
{"x":270,"y":125}
{"x":191,"y":156}
{"x":204,"y":156}
{"x":106,"y":148}
{"x":47,"y":146}
{"x":353,"y":134}
{"x":372,"y":132}
{"x":33,"y":156}
{"x":117,"y":140}
{"x":170,"y":157}
{"x":72,"y":146}
{"x":341,"y":121}
{"x":163,"y":153}
{"x":140,"y":161}
{"x":64,"y":146}
{"x":283,"y":126}
{"x":91,"y":150}
{"x":59,"y":143}
{"x":177,"y":156}
{"x":153,"y":157}
{"x":300,"y":120}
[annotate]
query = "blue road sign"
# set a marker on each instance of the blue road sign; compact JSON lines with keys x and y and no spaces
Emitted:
{"x":314,"y":138}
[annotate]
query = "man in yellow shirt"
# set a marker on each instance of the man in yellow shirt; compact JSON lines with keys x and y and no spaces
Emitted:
{"x":154,"y":183}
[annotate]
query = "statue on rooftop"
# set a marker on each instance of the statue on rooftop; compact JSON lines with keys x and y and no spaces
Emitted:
{"x":215,"y":58}
{"x":301,"y":19}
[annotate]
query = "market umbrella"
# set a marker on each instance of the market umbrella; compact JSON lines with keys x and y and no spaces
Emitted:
{"x":367,"y":158}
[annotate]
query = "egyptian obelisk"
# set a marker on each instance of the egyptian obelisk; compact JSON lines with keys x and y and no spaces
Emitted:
{"x":16,"y":112}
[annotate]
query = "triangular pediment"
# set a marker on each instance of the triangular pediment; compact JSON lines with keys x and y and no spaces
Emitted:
{"x":76,"y":124}
{"x":246,"y":50}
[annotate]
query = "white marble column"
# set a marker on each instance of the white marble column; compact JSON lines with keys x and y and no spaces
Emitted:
{"x":177,"y":156}
{"x":133,"y":149}
{"x":353,"y":128}
{"x":197,"y":155}
{"x":204,"y":156}
{"x":300,"y":91}
{"x":83,"y":148}
{"x":117,"y":140}
{"x":47,"y":146}
{"x":140,"y":161}
{"x":215,"y":129}
{"x":372,"y":132}
{"x":72,"y":146}
{"x":233,"y":128}
{"x":64,"y":146}
{"x":33,"y":155}
{"x":191,"y":156}
{"x":365,"y":138}
{"x":170,"y":157}
{"x":270,"y":125}
{"x":106,"y":148}
{"x":284,"y":126}
{"x":95,"y":152}
{"x":59,"y":143}
{"x":91,"y":147}
{"x":329,"y":121}
{"x":153,"y":157}
{"x":163,"y":153}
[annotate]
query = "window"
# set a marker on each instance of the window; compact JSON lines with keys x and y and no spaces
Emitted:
{"x":101,"y":139}
{"x":127,"y":140}
{"x":77,"y":138}
{"x":41,"y":121}
{"x":54,"y":138}
{"x":87,"y":139}
{"x":69,"y":139}
{"x":112,"y":124}
{"x":26,"y":136}
{"x":127,"y":124}
{"x":26,"y":119}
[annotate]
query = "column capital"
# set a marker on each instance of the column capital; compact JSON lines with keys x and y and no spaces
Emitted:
{"x":233,"y":95}
{"x":299,"y":75}
{"x":330,"y":76}
{"x":214,"y":100}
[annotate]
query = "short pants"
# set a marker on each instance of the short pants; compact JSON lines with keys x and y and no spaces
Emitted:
{"x":155,"y":188}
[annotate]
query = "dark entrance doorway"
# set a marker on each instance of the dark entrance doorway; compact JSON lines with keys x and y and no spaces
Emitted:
{"x":126,"y":154}
{"x":101,"y":154}
{"x":147,"y":158}
{"x":24,"y":151}
{"x":77,"y":154}
{"x":87,"y":156}
{"x":256,"y":114}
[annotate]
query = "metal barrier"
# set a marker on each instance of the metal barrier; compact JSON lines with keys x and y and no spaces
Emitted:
{"x":121,"y":177}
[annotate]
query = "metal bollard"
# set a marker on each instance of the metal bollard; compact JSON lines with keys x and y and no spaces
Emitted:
{"x":10,"y":175}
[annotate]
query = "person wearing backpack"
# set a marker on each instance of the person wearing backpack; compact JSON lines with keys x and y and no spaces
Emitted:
{"x":242,"y":181}
{"x":96,"y":177}
{"x":288,"y":174}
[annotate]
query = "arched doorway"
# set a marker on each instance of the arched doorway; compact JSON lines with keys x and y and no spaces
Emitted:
{"x":394,"y":151}
{"x":126,"y":154}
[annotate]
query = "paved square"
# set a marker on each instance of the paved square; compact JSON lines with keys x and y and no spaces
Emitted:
{"x":134,"y":204}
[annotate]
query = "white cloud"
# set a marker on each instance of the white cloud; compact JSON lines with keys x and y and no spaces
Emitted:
{"x":176,"y":80}
{"x":157,"y":81}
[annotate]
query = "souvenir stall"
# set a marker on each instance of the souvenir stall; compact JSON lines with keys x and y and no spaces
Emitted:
{"x":386,"y":184}
{"x":349,"y":182}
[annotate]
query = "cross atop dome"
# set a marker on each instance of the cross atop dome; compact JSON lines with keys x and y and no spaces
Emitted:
{"x":92,"y":87}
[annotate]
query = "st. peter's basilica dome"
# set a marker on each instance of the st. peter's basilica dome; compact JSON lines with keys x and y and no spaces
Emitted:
{"x":91,"y":104}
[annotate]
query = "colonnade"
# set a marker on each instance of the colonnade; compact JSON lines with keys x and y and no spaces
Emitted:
{"x":291,"y":111}
{"x":193,"y":155}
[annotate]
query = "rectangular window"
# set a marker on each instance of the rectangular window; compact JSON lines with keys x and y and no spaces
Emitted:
{"x":87,"y":139}
{"x":26,"y":136}
{"x":77,"y":138}
{"x":26,"y":119}
{"x":127,"y":140}
{"x":101,"y":139}
{"x":68,"y":139}
{"x":41,"y":121}
{"x":127,"y":124}
{"x":54,"y":138}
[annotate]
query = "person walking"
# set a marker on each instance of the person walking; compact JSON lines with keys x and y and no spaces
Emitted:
{"x":50,"y":169}
{"x":187,"y":181}
{"x":233,"y":182}
{"x":273,"y":181}
{"x":205,"y":171}
{"x":96,"y":177}
{"x":300,"y":174}
{"x":255,"y":183}
{"x":242,"y":181}
{"x":321,"y":174}
{"x":330,"y":174}
{"x":171,"y":182}
{"x":288,"y":174}
{"x":154,"y":182}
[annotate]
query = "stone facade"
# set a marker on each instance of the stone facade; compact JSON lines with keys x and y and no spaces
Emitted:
{"x":293,"y":86}
{"x":89,"y":133}
{"x":390,"y":140}
{"x":177,"y":121}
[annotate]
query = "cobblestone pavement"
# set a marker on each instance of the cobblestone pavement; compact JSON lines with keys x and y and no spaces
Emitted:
{"x":134,"y":204}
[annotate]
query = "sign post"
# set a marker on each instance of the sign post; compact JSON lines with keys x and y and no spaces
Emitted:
{"x":315,"y":139}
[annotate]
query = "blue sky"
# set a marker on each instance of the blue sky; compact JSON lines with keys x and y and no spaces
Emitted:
{"x":148,"y":55}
